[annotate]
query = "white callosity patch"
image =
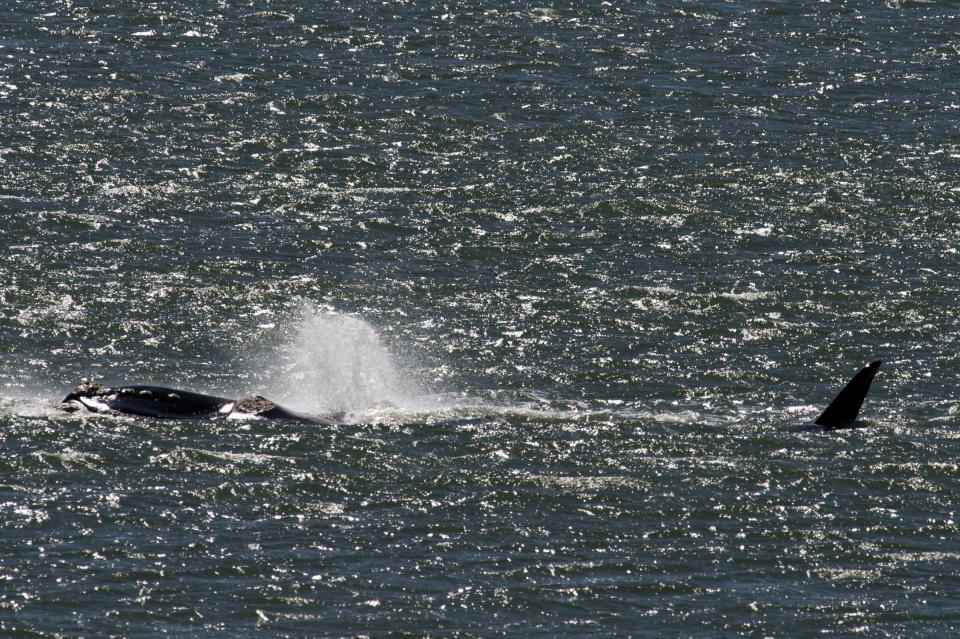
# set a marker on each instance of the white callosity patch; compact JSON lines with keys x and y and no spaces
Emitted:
{"x":94,"y":404}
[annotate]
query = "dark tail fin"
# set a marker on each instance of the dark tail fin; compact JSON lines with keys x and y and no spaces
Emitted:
{"x":844,"y":408}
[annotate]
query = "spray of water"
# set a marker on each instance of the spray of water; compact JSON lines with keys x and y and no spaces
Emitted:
{"x":332,"y":362}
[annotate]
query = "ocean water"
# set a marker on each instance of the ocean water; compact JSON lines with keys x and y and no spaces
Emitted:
{"x":572,"y":271}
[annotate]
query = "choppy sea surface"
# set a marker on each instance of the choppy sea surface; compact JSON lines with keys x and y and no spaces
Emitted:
{"x":573,"y":271}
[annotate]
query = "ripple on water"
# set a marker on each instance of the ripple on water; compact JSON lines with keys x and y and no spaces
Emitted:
{"x":573,"y":273}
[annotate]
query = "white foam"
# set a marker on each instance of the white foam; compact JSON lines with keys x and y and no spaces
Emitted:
{"x":33,"y":401}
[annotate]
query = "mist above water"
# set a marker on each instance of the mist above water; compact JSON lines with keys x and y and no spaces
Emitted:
{"x":333,"y":362}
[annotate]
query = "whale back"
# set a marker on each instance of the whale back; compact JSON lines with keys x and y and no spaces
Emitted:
{"x":159,"y":401}
{"x":172,"y":403}
{"x":149,"y":401}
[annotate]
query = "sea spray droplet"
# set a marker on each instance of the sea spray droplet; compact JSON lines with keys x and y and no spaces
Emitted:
{"x":335,"y":362}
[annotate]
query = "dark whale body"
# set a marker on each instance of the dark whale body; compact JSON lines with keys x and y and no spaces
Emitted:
{"x":843,"y":410}
{"x":171,"y":403}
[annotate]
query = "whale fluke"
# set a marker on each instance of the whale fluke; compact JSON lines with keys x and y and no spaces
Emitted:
{"x":845,"y":407}
{"x":171,"y":403}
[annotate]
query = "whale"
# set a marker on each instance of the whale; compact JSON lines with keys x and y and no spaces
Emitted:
{"x":172,"y":403}
{"x":845,"y":407}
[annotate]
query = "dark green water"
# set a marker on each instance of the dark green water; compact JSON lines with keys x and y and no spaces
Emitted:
{"x":573,"y":271}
